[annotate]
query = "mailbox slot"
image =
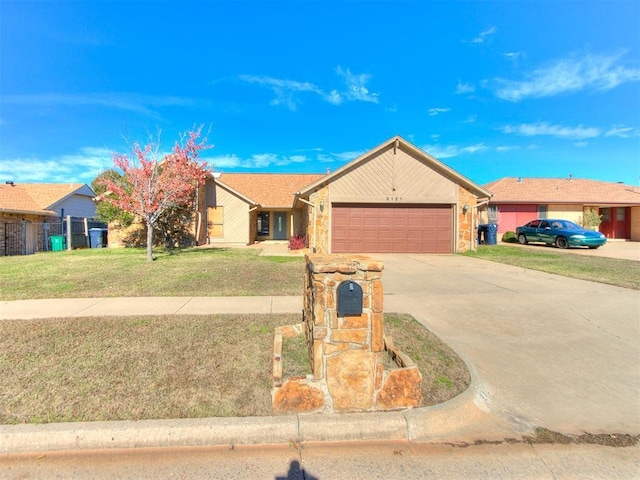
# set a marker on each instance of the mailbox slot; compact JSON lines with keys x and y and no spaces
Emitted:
{"x":349,"y":298}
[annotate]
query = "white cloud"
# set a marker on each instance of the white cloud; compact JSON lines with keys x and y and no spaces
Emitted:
{"x":484,"y":35}
{"x":543,"y":128}
{"x":356,"y":86}
{"x":463,"y":88}
{"x":81,"y":167}
{"x":347,"y":156}
{"x":596,"y":72}
{"x":145,"y":104}
{"x":257,"y":161}
{"x":580,"y":144}
{"x":334,"y":97}
{"x":506,"y":148}
{"x":437,"y":110}
{"x":470,"y":119}
{"x":513,"y":56}
{"x":622,"y":131}
{"x":287,"y":91}
{"x":448,"y":151}
{"x":263,"y":161}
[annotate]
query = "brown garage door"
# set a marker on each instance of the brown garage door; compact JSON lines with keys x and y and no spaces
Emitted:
{"x":358,"y":228}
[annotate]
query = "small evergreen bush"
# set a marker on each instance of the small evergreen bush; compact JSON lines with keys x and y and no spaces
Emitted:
{"x":509,"y":237}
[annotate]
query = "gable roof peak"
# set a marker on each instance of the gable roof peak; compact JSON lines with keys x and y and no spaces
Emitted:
{"x":397,"y":141}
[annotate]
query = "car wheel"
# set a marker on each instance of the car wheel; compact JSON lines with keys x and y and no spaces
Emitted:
{"x":522,"y":239}
{"x":561,"y":242}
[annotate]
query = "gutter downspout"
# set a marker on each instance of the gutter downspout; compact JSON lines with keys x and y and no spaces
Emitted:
{"x":198,"y":225}
{"x":314,"y":221}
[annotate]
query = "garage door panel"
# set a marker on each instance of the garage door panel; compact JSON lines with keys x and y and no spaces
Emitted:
{"x":384,"y":229}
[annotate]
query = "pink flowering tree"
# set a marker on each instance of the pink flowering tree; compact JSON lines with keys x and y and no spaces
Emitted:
{"x":150,"y":184}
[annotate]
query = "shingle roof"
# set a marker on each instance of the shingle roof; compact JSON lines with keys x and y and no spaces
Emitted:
{"x":268,"y":189}
{"x":34,"y":198}
{"x":562,"y":190}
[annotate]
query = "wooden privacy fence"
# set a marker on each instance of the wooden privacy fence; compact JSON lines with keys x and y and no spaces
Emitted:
{"x":26,"y":238}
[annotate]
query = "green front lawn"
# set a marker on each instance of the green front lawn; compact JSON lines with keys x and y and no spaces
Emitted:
{"x":622,"y":273}
{"x":125,"y":272}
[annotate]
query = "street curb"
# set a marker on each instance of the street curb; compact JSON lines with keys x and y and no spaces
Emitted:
{"x":459,"y":421}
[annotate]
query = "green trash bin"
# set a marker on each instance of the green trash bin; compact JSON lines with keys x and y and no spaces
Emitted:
{"x":57,"y":243}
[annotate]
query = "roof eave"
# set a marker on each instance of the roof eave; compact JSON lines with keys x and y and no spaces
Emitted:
{"x":28,"y":212}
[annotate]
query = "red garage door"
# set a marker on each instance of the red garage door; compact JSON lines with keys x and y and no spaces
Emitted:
{"x":358,"y":228}
{"x":512,"y":216}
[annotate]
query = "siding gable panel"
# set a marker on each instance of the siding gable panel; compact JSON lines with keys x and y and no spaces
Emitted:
{"x":400,"y":176}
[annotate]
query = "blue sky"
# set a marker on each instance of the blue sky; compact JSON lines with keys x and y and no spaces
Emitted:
{"x":492,"y":89}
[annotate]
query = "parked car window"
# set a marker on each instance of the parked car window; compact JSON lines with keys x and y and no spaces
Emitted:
{"x":557,"y":225}
{"x":534,"y":224}
{"x":544,"y":224}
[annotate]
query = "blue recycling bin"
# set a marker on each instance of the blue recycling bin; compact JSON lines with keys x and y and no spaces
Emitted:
{"x":488,"y":234}
{"x":95,"y":237}
{"x":492,"y":234}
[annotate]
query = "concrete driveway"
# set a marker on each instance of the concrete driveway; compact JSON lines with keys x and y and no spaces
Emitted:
{"x":545,"y":350}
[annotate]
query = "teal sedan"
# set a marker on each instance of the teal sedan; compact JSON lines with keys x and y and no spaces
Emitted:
{"x":561,"y":233}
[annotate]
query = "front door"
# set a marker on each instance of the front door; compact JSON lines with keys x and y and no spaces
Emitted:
{"x":280,"y":226}
{"x":615,"y":222}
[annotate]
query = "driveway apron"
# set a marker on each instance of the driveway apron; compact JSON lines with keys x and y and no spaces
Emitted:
{"x":545,"y":350}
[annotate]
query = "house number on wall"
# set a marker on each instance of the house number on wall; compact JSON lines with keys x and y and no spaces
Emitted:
{"x":393,"y":199}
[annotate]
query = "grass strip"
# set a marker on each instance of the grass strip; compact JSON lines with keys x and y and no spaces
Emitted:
{"x":124,"y":272}
{"x":612,"y":271}
{"x":160,"y":367}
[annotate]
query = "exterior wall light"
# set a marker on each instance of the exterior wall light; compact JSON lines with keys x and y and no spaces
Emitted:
{"x":465,"y":209}
{"x":322,"y":205}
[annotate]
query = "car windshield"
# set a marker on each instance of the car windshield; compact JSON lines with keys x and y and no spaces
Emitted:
{"x":564,"y":225}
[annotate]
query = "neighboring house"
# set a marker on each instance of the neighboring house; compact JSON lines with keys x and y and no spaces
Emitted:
{"x":519,"y":200}
{"x":30,"y":212}
{"x":394,"y":198}
{"x":248,"y":207}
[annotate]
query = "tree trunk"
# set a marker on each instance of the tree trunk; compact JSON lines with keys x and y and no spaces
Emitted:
{"x":149,"y":242}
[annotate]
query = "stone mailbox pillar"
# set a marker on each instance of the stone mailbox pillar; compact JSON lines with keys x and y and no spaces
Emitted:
{"x":345,"y":351}
{"x":343,"y":326}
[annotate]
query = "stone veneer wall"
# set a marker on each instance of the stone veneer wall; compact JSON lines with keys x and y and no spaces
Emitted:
{"x":467,"y":223}
{"x":346,"y":353}
{"x":318,"y":220}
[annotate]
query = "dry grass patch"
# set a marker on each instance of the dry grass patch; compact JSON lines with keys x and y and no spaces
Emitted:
{"x":444,"y":373}
{"x":135,"y":368}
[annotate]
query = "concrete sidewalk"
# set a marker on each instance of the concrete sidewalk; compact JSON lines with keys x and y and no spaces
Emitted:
{"x":95,"y":307}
